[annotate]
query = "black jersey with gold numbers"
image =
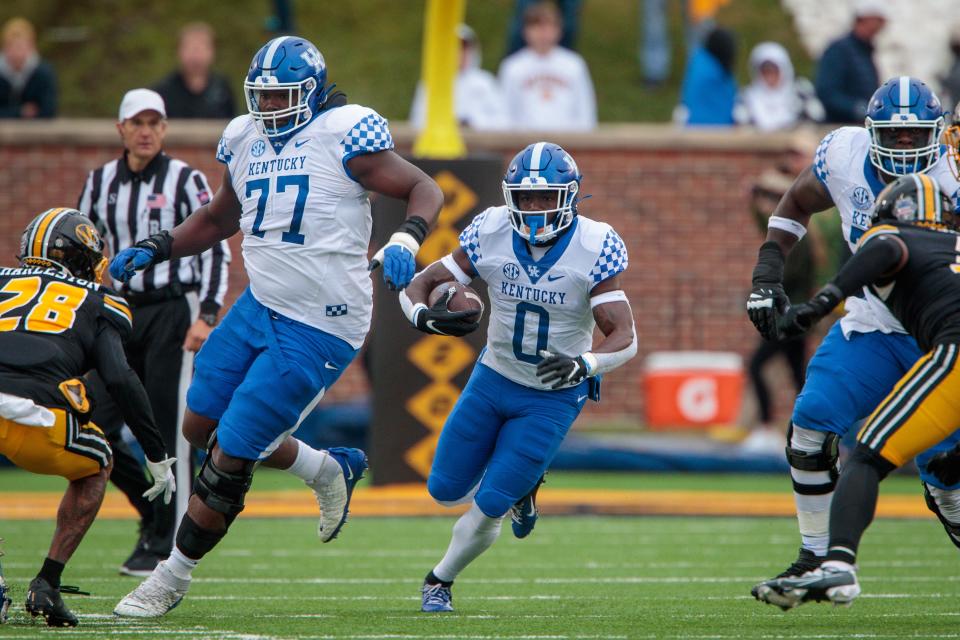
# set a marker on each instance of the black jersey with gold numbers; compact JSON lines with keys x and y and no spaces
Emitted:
{"x":49,"y":325}
{"x":925,"y":293}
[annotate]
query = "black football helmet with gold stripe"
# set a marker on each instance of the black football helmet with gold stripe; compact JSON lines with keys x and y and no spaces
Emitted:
{"x":917,"y":199}
{"x":65,"y":239}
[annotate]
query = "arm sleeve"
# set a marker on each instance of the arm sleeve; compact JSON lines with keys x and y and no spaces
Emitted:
{"x":880,"y":254}
{"x":613,"y":258}
{"x":125,"y":389}
{"x":215,"y":261}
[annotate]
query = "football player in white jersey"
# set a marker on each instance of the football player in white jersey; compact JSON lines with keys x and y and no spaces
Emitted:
{"x":298,"y":169}
{"x":552,"y":276}
{"x":867,"y":351}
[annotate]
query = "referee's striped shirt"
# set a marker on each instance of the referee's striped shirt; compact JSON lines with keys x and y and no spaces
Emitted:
{"x":128,"y":207}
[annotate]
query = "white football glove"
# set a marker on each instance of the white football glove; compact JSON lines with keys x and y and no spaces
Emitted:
{"x":163,"y":480}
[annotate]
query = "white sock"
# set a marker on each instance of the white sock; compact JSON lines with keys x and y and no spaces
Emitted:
{"x":473,"y":533}
{"x":310,"y":464}
{"x":180,"y":565}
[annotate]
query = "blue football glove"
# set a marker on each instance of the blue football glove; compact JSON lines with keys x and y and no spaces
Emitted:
{"x":399,"y":265}
{"x":399,"y":256}
{"x":126,"y":263}
{"x":143,"y":254}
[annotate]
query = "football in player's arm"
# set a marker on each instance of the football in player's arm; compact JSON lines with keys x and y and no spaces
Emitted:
{"x":909,"y":259}
{"x":552,"y":276}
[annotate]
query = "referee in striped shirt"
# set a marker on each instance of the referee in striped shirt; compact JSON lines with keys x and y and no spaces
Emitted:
{"x":174,"y":304}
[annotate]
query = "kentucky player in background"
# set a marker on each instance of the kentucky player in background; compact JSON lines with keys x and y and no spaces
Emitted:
{"x":868,"y":350}
{"x":552,"y":276}
{"x":298,"y":169}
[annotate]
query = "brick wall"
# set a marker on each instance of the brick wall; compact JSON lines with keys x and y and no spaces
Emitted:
{"x":677,"y":198}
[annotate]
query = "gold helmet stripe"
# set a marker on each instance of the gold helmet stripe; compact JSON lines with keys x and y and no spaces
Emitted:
{"x":43,"y":228}
{"x":931,"y":203}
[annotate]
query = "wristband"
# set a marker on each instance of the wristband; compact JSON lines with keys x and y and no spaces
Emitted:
{"x":786,"y":224}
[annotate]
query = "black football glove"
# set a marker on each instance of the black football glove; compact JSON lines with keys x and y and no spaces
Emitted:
{"x":765,"y":304}
{"x":798,"y":319}
{"x":443,"y":322}
{"x":562,"y":370}
{"x":946,"y":466}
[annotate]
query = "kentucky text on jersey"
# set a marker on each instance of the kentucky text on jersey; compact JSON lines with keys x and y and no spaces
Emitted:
{"x":532,"y":294}
{"x":256,"y":168}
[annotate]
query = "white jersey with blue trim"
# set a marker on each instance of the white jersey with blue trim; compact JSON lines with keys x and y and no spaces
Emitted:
{"x":539,"y":304}
{"x":306,"y":223}
{"x":842,"y":164}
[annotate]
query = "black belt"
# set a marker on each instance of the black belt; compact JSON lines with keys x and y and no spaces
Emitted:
{"x":154,"y":296}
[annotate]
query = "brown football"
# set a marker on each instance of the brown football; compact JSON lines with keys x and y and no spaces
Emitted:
{"x":463,"y":299}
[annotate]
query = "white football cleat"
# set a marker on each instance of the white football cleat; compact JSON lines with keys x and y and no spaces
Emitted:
{"x":158,"y":594}
{"x":333,"y":497}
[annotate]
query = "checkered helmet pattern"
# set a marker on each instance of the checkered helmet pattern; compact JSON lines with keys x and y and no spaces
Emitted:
{"x":369,"y":135}
{"x":612,"y":259}
{"x":470,"y":238}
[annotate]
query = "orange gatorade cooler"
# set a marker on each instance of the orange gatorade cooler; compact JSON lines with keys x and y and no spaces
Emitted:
{"x":690,"y":389}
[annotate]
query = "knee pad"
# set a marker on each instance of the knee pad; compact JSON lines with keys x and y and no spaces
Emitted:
{"x":943,"y":503}
{"x":221,"y":490}
{"x":806,"y":455}
{"x":194,"y":541}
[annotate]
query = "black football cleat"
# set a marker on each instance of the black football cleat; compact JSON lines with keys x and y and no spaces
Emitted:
{"x":806,"y":561}
{"x":44,"y":600}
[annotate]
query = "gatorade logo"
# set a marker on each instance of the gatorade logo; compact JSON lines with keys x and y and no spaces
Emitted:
{"x":697,"y":399}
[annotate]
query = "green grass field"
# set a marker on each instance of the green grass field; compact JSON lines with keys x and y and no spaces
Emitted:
{"x":575,"y":577}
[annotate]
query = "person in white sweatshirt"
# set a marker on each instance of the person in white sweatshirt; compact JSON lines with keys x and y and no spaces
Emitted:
{"x":775,"y":99}
{"x":547,"y":87}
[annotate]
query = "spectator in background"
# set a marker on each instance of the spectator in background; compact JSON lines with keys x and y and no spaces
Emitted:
{"x":28,"y":86}
{"x":846,"y":74}
{"x":478,"y":102}
{"x":775,"y":99}
{"x":195,"y":90}
{"x":547,"y":87}
{"x":654,"y":51}
{"x":709,"y":89}
{"x":951,"y":81}
{"x":569,"y":9}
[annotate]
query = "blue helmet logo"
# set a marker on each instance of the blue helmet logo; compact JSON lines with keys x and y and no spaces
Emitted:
{"x":546,"y":168}
{"x":905,"y":120}
{"x":285,"y":85}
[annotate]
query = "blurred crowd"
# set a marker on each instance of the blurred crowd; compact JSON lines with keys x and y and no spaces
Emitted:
{"x":543,"y":83}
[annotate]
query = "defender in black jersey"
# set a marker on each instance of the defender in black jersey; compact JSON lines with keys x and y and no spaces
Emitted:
{"x":57,"y":322}
{"x":910,"y":258}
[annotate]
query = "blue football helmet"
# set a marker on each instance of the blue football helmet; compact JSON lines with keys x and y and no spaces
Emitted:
{"x":904,"y":106}
{"x":290,"y":67}
{"x":542,"y":166}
